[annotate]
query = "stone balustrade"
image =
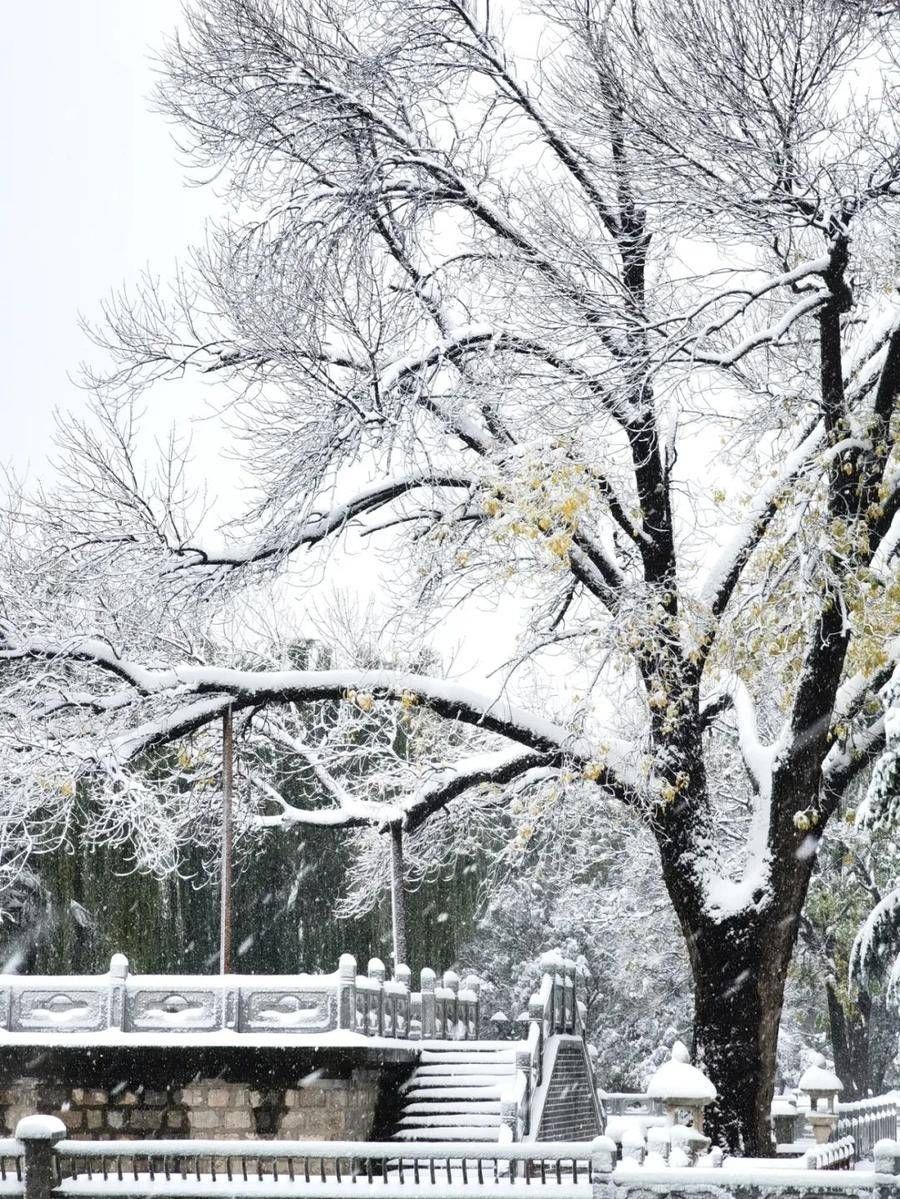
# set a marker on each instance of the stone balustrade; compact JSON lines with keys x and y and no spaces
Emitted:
{"x":370,"y":1005}
{"x":867,"y":1121}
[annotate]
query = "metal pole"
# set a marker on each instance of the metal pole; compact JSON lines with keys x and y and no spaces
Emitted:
{"x":225,"y":904}
{"x":398,"y":897}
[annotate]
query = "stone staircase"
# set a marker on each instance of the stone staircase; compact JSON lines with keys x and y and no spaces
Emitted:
{"x":454,"y":1093}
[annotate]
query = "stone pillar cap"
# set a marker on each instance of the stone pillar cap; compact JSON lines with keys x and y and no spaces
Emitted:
{"x":40,"y":1128}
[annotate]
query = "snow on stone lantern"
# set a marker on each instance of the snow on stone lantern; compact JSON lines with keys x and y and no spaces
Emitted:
{"x":682,"y":1087}
{"x":818,"y":1082}
{"x":784,"y":1120}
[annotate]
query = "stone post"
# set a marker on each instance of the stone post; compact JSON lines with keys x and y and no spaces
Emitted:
{"x":118,"y":973}
{"x":581,"y":1008}
{"x":659,"y":1142}
{"x":603,"y":1162}
{"x":39,"y":1136}
{"x":426,"y":987}
{"x":346,"y":992}
{"x":633,"y":1147}
{"x":473,"y":983}
{"x":536,"y":1019}
{"x":549,"y":965}
{"x":403,"y":976}
{"x":887,"y":1156}
{"x":451,"y":1015}
{"x":784,"y":1121}
{"x":569,"y":1002}
{"x":376,"y":973}
{"x":509,"y":1117}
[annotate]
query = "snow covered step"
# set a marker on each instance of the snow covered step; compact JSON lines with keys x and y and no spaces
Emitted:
{"x":488,"y":1057}
{"x":444,"y":1133}
{"x":455,"y":1093}
{"x":465,"y":1069}
{"x":454,"y":1080}
{"x":483,"y":1119}
{"x":487,"y":1107}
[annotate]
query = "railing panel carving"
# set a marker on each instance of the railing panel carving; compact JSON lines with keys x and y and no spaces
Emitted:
{"x":370,"y":1005}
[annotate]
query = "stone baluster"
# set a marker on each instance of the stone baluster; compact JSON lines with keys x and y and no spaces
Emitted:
{"x":426,"y":986}
{"x":509,"y":1117}
{"x":346,"y":992}
{"x":473,"y":1026}
{"x":536,"y":1020}
{"x":376,"y":974}
{"x":451,"y":1015}
{"x":548,"y":966}
{"x":569,"y":1002}
{"x":402,"y":1012}
{"x":39,"y":1135}
{"x":118,"y":975}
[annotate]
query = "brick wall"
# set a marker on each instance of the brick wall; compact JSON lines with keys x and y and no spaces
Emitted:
{"x":252,"y":1096}
{"x":569,"y":1111}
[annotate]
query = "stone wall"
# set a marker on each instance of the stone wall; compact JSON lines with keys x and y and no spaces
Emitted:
{"x":569,"y":1108}
{"x":253,"y":1095}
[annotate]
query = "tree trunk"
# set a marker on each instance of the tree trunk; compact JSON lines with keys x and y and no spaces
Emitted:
{"x":739,"y":972}
{"x":739,"y":963}
{"x":850,"y":1041}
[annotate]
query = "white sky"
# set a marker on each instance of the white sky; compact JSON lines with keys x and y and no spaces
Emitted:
{"x":91,"y":191}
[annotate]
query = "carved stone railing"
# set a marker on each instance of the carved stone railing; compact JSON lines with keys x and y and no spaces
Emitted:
{"x":867,"y":1121}
{"x":628,"y":1103}
{"x":370,"y":1004}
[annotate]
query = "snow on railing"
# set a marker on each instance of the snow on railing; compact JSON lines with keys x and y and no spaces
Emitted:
{"x":868,"y":1121}
{"x":48,"y":1166}
{"x":865,"y":1122}
{"x":57,"y":1167}
{"x":370,"y":1004}
{"x":833,"y":1155}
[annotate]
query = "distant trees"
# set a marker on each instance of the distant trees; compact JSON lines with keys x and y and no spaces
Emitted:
{"x":875,"y":953}
{"x":853,"y":866}
{"x":603,"y":330}
{"x":87,"y":902}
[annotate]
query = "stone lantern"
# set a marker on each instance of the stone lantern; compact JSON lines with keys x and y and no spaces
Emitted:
{"x":682,"y":1087}
{"x":818,"y":1082}
{"x":784,"y":1121}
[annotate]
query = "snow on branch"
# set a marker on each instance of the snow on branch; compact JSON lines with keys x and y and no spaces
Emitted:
{"x":722,"y":579}
{"x":202,"y":693}
{"x":317,"y":527}
{"x":350,"y":813}
{"x":877,"y":941}
{"x":758,"y":758}
{"x":748,"y":295}
{"x":771,"y":335}
{"x":443,"y":785}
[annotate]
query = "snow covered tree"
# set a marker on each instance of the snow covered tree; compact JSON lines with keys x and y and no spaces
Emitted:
{"x":875,"y":955}
{"x":853,"y":866}
{"x":595,"y":313}
{"x":635,"y":981}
